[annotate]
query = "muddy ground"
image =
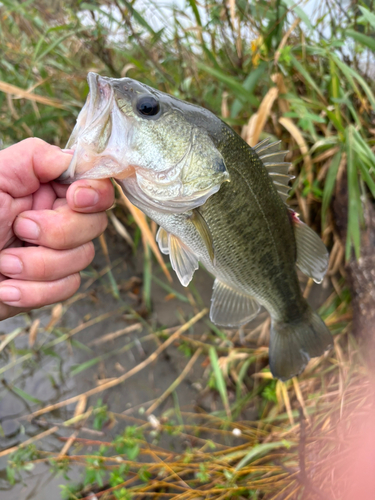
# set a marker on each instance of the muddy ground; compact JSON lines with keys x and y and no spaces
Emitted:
{"x":49,"y":378}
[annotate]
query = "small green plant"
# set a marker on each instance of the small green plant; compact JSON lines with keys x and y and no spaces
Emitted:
{"x":128,"y":442}
{"x":21,"y":460}
{"x":95,"y":471}
{"x":100,"y":415}
{"x":269,"y":392}
{"x":202,"y":475}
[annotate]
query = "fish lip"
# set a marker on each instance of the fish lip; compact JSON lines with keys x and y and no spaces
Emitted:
{"x":99,"y":103}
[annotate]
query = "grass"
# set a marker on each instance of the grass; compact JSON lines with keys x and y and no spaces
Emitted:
{"x":284,"y":451}
{"x":268,"y":68}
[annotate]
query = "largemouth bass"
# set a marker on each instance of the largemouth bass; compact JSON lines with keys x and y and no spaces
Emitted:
{"x":217,"y":201}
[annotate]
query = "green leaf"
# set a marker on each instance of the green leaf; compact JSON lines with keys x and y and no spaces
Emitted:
{"x":298,"y":66}
{"x":293,"y":6}
{"x":365,"y":40}
{"x":366,"y":160}
{"x":249,"y":85}
{"x":171,"y":290}
{"x":369,"y":16}
{"x":355,"y":214}
{"x":83,"y":366}
{"x":231,"y":83}
{"x":58,"y":42}
{"x":137,"y":16}
{"x":352,"y":75}
{"x":10,"y":337}
{"x":25,"y":395}
{"x":194,"y":8}
{"x":219,"y":379}
{"x":367,"y":176}
{"x":330,"y":184}
{"x":335,"y":90}
{"x":261,"y":449}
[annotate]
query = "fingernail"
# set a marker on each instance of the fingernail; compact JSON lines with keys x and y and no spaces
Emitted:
{"x":68,"y":151}
{"x":27,"y":229}
{"x":10,"y":264}
{"x":85,"y":197}
{"x":9,"y":294}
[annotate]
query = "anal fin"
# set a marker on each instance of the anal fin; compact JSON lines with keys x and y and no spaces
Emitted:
{"x":230,"y":307}
{"x":312,"y":255}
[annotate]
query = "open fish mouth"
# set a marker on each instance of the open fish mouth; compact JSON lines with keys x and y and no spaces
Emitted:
{"x":98,"y":138}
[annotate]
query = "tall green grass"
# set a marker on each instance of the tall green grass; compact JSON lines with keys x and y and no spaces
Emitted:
{"x":223,"y":56}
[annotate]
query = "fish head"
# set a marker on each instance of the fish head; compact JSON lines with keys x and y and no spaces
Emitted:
{"x":157,"y":147}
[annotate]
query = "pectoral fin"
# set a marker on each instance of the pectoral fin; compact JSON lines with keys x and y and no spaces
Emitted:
{"x":230,"y":307}
{"x":162,"y":239}
{"x":183,"y":260}
{"x":204,"y":232}
{"x":312,"y":255}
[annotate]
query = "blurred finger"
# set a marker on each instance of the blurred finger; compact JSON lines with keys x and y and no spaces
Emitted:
{"x":44,"y":198}
{"x":31,"y":294}
{"x":60,"y":189}
{"x":59,"y":202}
{"x":9,"y":209}
{"x":44,"y":264}
{"x":60,"y":229}
{"x":9,"y":311}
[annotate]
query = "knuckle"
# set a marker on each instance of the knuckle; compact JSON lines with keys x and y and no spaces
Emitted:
{"x":41,"y":267}
{"x":55,"y":231}
{"x":32,"y":143}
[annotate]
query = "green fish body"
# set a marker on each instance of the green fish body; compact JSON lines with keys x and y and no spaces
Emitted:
{"x":217,"y":201}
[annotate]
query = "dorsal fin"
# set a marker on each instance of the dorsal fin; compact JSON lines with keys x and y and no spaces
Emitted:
{"x":273,"y":160}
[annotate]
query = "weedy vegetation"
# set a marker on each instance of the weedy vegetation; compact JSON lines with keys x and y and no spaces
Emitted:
{"x":302,"y":73}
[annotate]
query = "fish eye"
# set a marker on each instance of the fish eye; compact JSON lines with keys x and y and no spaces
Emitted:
{"x":147,"y":105}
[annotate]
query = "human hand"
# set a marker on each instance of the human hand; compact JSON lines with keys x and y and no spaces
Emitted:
{"x":56,"y":222}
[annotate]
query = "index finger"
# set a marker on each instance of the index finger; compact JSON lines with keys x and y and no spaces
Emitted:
{"x":28,"y":163}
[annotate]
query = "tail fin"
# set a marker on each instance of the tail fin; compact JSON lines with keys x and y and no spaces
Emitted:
{"x":293,"y":344}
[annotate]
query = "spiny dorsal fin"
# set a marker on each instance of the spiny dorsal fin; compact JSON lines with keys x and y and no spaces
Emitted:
{"x":230,"y":307}
{"x":183,"y":261}
{"x":312,"y":255}
{"x":273,"y":160}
